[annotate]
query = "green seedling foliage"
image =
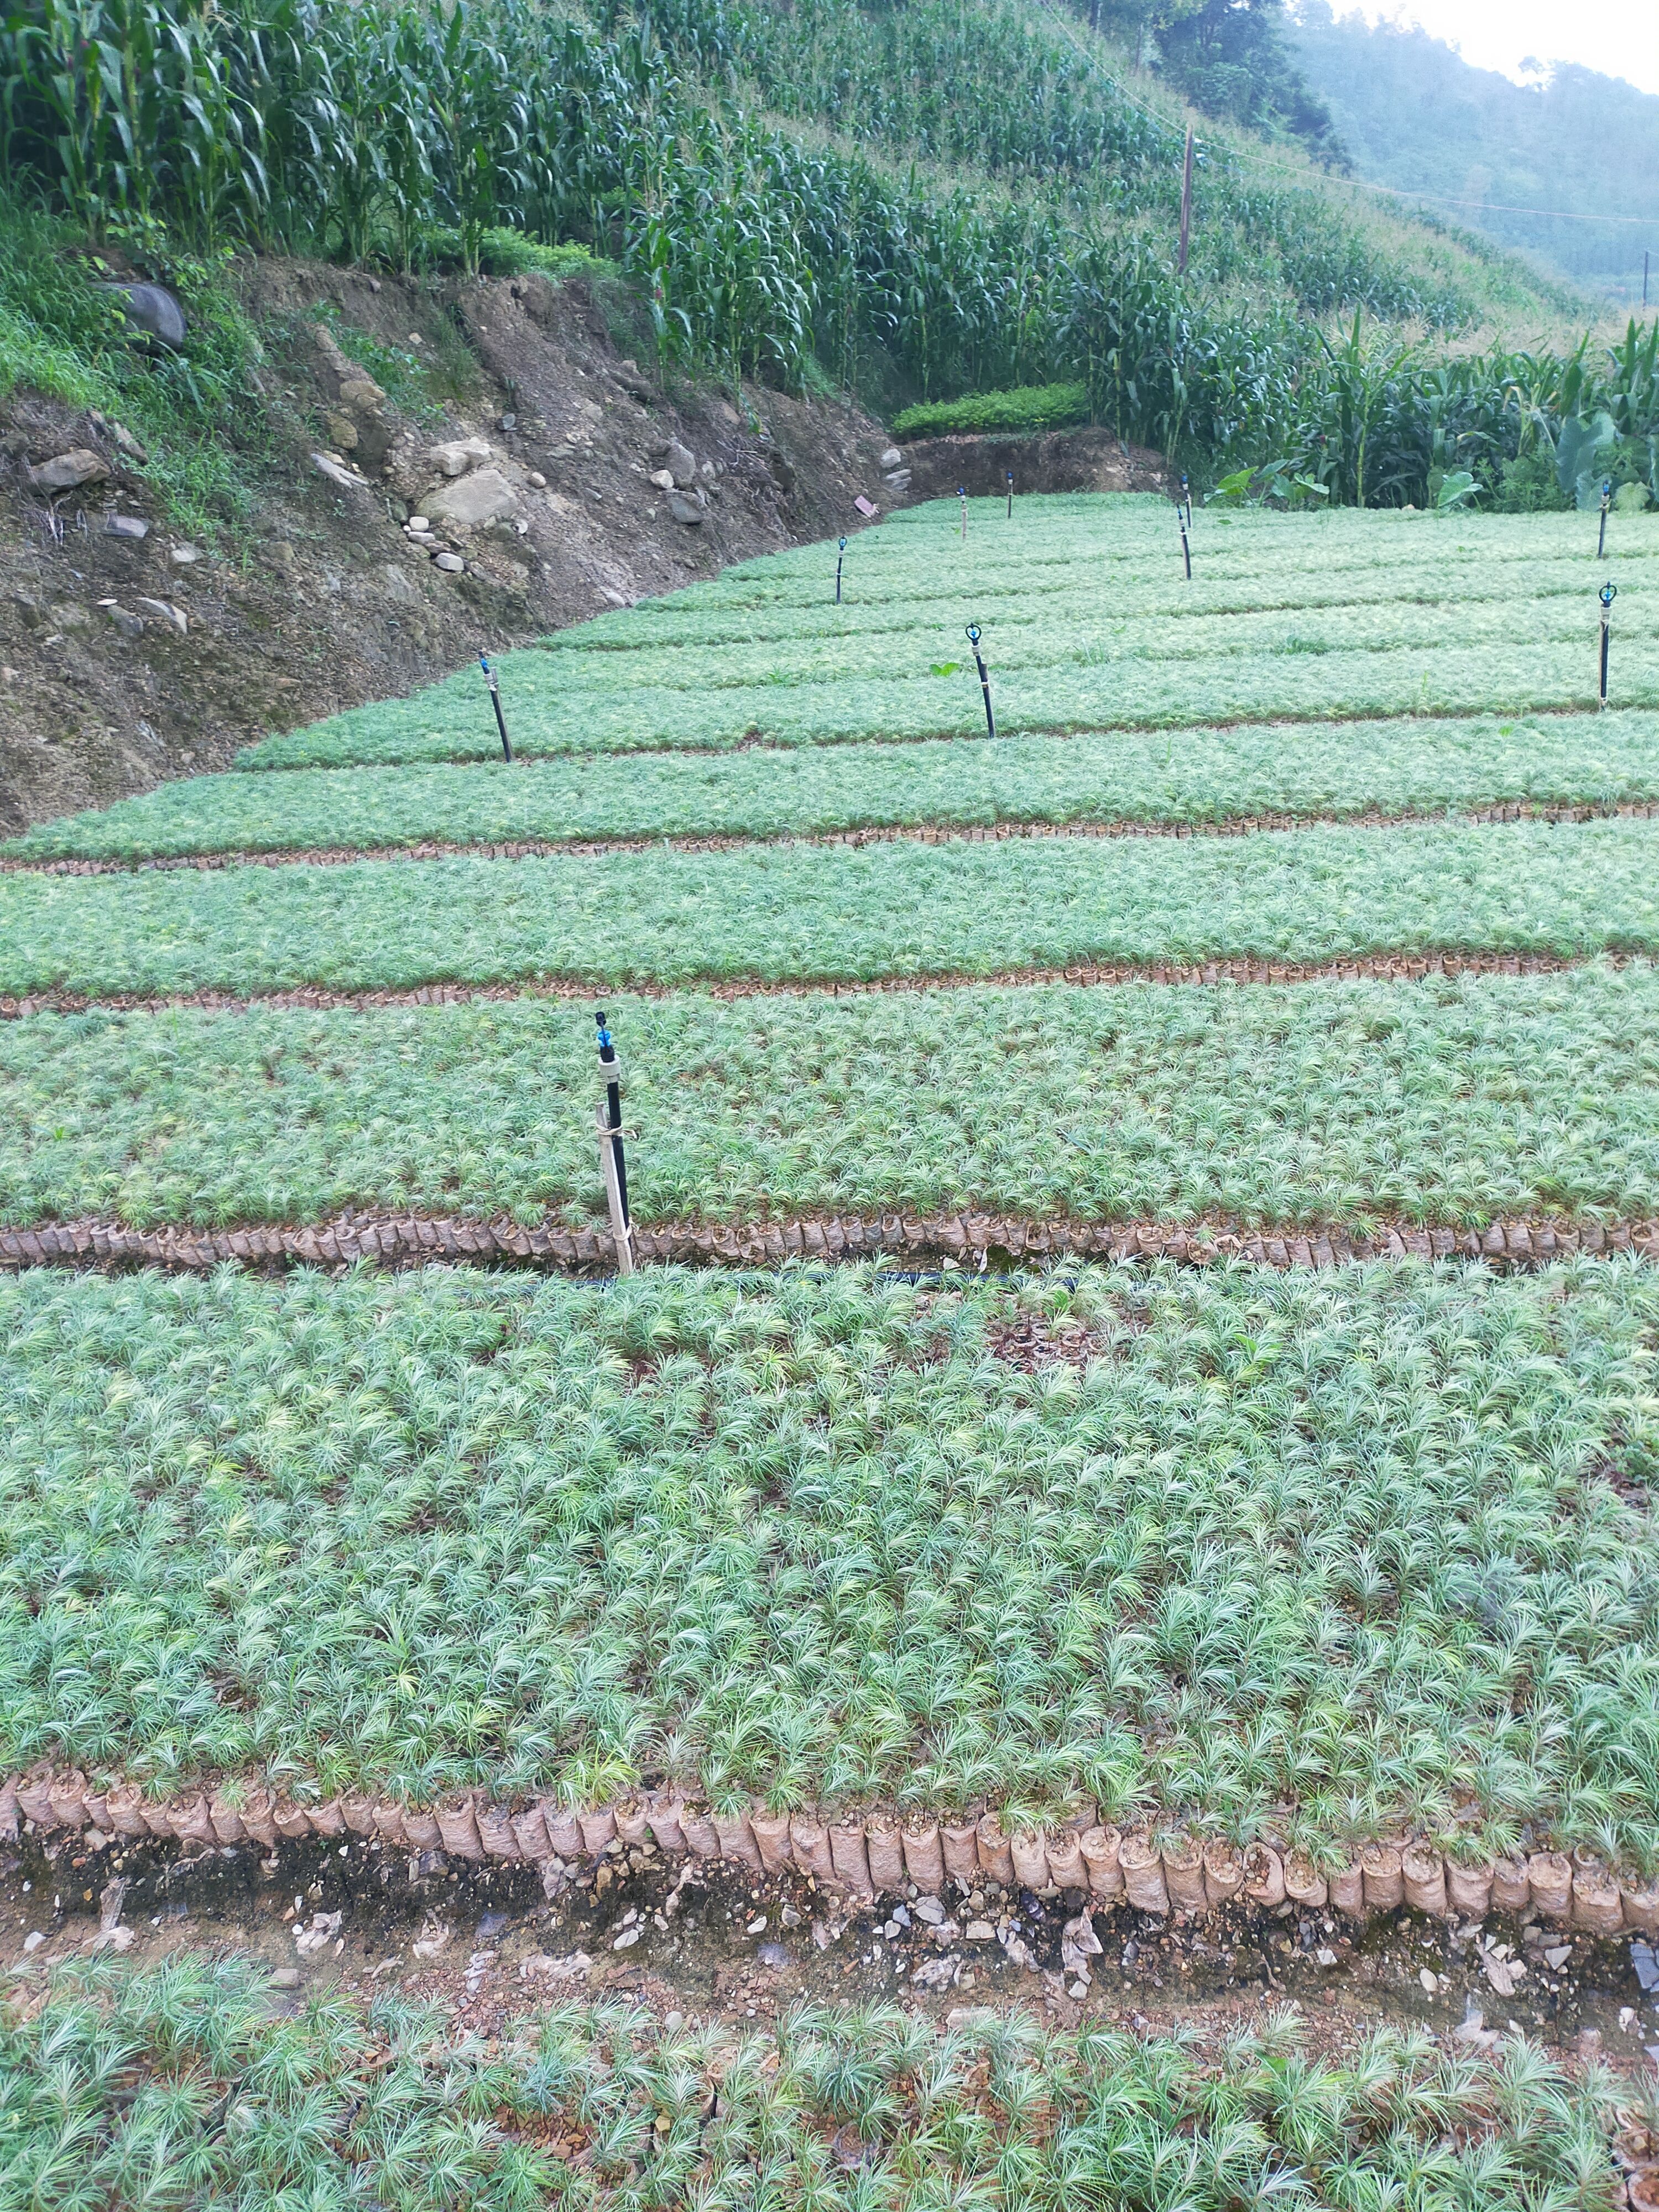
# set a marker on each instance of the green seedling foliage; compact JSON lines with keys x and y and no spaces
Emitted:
{"x":179,"y":2074}
{"x":794,"y":913}
{"x":1083,"y":628}
{"x":1029,"y":407}
{"x":1355,"y":1543}
{"x":1454,"y":1101}
{"x":1198,"y":779}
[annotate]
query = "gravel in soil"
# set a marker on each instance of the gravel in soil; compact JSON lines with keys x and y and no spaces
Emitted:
{"x":489,"y":1943}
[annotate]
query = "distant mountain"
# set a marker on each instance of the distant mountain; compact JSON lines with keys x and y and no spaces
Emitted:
{"x":1410,"y":112}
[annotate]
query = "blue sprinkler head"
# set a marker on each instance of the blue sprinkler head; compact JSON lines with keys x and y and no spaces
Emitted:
{"x":842,"y":546}
{"x":973,"y":635}
{"x":1608,"y":593}
{"x":1607,"y":487}
{"x":607,"y":1044}
{"x":484,"y":662}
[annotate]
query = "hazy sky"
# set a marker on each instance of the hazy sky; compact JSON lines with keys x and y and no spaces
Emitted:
{"x":1619,"y":37}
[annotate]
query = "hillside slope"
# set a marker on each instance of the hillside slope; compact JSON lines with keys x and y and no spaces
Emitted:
{"x":1413,"y":113}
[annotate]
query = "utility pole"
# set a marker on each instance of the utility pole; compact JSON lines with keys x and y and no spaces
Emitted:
{"x":1186,"y":203}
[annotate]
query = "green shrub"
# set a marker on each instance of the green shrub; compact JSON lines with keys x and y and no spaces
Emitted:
{"x":1028,"y":407}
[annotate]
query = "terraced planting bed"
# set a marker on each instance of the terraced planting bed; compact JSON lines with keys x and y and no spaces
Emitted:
{"x":1245,"y":1505}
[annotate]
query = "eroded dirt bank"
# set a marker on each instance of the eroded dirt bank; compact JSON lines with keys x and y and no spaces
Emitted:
{"x":128,"y":654}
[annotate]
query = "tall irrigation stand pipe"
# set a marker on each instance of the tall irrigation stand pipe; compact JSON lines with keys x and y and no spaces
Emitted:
{"x":1601,"y":533}
{"x":961,"y":494}
{"x":1185,"y":542}
{"x":1186,"y":499}
{"x":984,"y":680}
{"x":1609,"y":593}
{"x":612,"y":1164}
{"x":496,"y":702}
{"x":1010,"y":475}
{"x":841,"y":555}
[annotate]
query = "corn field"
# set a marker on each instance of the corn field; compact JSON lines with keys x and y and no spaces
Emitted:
{"x":373,"y":131}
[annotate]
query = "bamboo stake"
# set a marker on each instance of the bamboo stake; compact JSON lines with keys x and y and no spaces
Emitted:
{"x":1186,"y":203}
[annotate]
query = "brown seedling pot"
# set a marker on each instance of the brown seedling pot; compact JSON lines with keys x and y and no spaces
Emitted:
{"x":229,"y":1826}
{"x":924,"y":1857}
{"x":564,"y":1830}
{"x":809,"y":1840}
{"x":1223,"y":1873}
{"x":1304,"y":1884}
{"x":1549,"y":1877}
{"x":599,"y":1828}
{"x":1066,"y":1867}
{"x":495,"y":1825}
{"x":66,"y":1796}
{"x":1347,"y":1888}
{"x":633,"y":1821}
{"x":960,"y":1847}
{"x":1264,"y":1876}
{"x":529,"y":1833}
{"x":292,"y":1821}
{"x":328,"y":1819}
{"x":701,"y":1837}
{"x":1029,"y":1854}
{"x":1468,"y":1889}
{"x":1383,"y":1882}
{"x":1423,"y":1873}
{"x":1183,"y":1875}
{"x":771,"y":1834}
{"x":1640,"y":1900}
{"x":1100,"y":1848}
{"x":736,"y":1839}
{"x":1511,"y":1890}
{"x":358,"y":1812}
{"x":457,"y":1825}
{"x":849,"y":1858}
{"x":996,"y":1860}
{"x":420,"y":1829}
{"x":1597,"y":1906}
{"x":885,"y":1853}
{"x":1142,"y":1866}
{"x":258,"y":1812}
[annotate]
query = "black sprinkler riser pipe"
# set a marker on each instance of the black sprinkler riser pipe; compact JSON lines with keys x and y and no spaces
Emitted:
{"x":496,"y":702}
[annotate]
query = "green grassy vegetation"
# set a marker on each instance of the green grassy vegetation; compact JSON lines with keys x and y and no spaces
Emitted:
{"x":1354,"y":1544}
{"x":783,"y":211}
{"x":1202,"y":777}
{"x":195,"y":413}
{"x":179,"y":2078}
{"x":1088,"y":624}
{"x":1371,"y":1545}
{"x":1442,"y":1103}
{"x":792,"y":913}
{"x":1028,"y":407}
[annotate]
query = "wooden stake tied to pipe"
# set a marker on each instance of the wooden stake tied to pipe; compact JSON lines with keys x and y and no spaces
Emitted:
{"x":1186,"y":203}
{"x":612,"y":1164}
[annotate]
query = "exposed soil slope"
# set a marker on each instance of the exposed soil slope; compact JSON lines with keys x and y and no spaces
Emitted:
{"x":332,"y":603}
